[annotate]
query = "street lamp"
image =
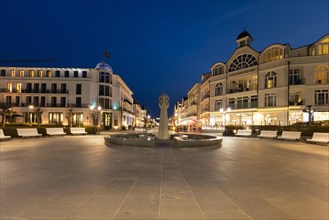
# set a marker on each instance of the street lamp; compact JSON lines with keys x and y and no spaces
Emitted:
{"x":28,"y":113}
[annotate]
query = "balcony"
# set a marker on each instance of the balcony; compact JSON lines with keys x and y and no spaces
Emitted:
{"x":297,"y":81}
{"x":301,"y":102}
{"x":205,"y":110}
{"x":205,"y":96}
{"x":237,"y":89}
{"x":243,"y":105}
{"x":58,"y":91}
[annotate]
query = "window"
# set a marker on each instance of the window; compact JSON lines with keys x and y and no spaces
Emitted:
{"x":63,"y":88}
{"x":218,"y":70}
{"x":78,"y":89}
{"x":218,"y":105}
{"x":242,"y":61}
{"x":36,"y":87}
{"x":57,"y":73}
{"x":54,"y":88}
{"x":67,"y":73}
{"x":28,"y":87}
{"x":36,"y":101}
{"x":254,"y":101}
{"x":76,"y":74}
{"x":219,"y":89}
{"x":295,"y":77}
{"x":55,"y":118}
{"x":3,"y":72}
{"x":84,"y":74}
{"x":31,"y":73}
{"x":231,"y":103}
{"x":104,"y":77}
{"x":19,"y":87}
{"x":12,"y":73}
{"x":43,"y":87}
{"x":273,"y":54}
{"x":321,"y":97}
{"x":270,"y":99}
{"x":8,"y":100}
{"x":43,"y":101}
{"x":63,"y":101}
{"x":48,"y":73}
{"x":321,"y":48}
{"x":322,"y":74}
{"x":101,"y":89}
{"x":40,"y":73}
{"x":270,"y":80}
{"x":53,"y":101}
{"x":78,"y":102}
{"x":21,"y":73}
{"x":9,"y":87}
{"x":107,"y":90}
{"x":28,"y":100}
{"x":17,"y":101}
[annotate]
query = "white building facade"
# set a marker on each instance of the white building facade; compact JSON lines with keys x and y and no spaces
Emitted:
{"x":271,"y":87}
{"x":77,"y":96}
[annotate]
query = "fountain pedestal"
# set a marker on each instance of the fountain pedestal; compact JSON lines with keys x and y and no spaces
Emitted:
{"x":163,"y":133}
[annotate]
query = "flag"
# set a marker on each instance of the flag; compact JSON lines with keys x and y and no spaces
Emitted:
{"x":106,"y":54}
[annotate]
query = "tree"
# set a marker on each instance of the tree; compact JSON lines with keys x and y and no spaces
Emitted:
{"x":4,"y":111}
{"x":69,"y":117}
{"x":38,"y":112}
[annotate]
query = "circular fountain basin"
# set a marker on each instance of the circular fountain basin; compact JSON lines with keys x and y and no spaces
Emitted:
{"x":133,"y":140}
{"x":196,"y":140}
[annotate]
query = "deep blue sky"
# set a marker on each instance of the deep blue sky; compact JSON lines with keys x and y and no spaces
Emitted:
{"x":155,"y":46}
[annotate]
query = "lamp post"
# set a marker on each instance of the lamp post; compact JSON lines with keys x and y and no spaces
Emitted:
{"x":28,"y":113}
{"x":310,"y":110}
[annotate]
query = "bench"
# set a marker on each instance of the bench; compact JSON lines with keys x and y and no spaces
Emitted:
{"x":3,"y":136}
{"x":246,"y":133}
{"x":268,"y":134}
{"x":55,"y":131}
{"x":78,"y":131}
{"x":319,"y":138}
{"x":28,"y":132}
{"x":290,"y":135}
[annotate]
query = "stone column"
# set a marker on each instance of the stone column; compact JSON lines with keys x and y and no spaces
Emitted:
{"x":163,"y":125}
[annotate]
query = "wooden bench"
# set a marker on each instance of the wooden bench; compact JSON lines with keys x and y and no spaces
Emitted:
{"x":246,"y":133}
{"x":290,"y":135}
{"x":268,"y":134}
{"x":55,"y":131}
{"x":28,"y":132}
{"x":319,"y":138}
{"x":3,"y":136}
{"x":78,"y":131}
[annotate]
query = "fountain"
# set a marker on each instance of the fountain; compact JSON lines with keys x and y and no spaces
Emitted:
{"x":163,"y":138}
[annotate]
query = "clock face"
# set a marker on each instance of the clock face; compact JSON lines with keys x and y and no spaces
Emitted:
{"x":166,"y":101}
{"x":161,"y":101}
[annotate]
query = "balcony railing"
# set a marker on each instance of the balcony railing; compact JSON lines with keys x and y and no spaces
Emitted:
{"x":297,"y":81}
{"x":205,"y":96}
{"x":243,"y":105}
{"x":301,"y":102}
{"x":237,"y":89}
{"x":59,"y":91}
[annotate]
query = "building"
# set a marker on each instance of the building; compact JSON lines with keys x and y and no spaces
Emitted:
{"x":274,"y":86}
{"x":67,"y":96}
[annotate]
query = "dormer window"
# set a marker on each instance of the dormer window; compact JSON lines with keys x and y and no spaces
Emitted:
{"x":273,"y":54}
{"x":218,"y":70}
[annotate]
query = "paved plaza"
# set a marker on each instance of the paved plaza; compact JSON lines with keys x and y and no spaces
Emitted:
{"x":78,"y":177}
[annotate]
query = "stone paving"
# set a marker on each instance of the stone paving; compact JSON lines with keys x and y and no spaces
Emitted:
{"x":78,"y":177}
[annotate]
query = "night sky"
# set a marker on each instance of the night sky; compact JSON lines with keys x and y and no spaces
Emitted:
{"x":155,"y":46}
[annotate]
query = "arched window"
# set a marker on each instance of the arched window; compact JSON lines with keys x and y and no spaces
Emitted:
{"x":273,"y":54}
{"x":243,"y":61}
{"x":322,"y":74}
{"x":218,"y":70}
{"x":219,"y":89}
{"x":270,"y":80}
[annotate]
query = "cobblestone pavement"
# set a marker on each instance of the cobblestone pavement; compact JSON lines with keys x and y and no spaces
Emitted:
{"x":78,"y":177}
